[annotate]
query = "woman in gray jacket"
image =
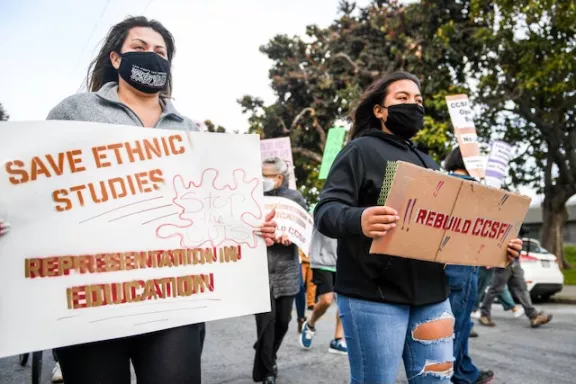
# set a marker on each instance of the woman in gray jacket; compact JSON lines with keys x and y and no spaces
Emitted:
{"x":130,"y":84}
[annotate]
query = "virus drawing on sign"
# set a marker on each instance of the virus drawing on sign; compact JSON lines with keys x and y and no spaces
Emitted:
{"x":213,"y":213}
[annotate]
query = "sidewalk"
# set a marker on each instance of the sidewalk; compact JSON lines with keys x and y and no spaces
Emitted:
{"x":566,"y":295}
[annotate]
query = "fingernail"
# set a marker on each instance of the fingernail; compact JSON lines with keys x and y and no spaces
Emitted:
{"x":393,"y":225}
{"x":397,"y":217}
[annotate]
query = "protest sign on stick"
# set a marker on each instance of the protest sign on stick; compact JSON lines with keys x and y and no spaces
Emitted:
{"x":498,"y":163}
{"x":118,"y":231}
{"x":462,"y":119}
{"x":293,"y":221}
{"x":282,"y":149}
{"x":334,"y":143}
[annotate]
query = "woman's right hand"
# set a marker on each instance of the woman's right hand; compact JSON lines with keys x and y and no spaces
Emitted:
{"x":377,"y":221}
{"x":4,"y":227}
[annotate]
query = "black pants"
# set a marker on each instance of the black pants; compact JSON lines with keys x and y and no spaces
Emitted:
{"x":271,"y":328}
{"x":168,"y":356}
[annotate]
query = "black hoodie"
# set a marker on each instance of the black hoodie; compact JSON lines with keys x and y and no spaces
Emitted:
{"x":354,"y":183}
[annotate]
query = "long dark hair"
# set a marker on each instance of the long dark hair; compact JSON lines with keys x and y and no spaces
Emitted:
{"x":363,"y":116}
{"x":101,"y":70}
{"x":454,"y":161}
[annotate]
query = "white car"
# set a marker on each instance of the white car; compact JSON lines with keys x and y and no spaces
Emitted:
{"x":541,"y":271}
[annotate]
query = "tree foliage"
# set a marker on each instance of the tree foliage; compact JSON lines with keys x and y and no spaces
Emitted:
{"x":316,"y":79}
{"x":521,"y":53}
{"x":3,"y":115}
{"x":518,"y":54}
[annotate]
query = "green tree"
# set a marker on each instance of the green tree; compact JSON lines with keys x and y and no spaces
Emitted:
{"x":316,"y":80}
{"x":3,"y":115}
{"x":521,"y":52}
{"x":211,"y":127}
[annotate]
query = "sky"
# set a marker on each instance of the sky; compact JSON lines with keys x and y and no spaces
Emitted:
{"x":51,"y":43}
{"x":48,"y":44}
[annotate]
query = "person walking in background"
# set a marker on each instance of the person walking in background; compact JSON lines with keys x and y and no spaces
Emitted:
{"x":513,"y":275}
{"x":323,"y":252}
{"x":485,"y":275}
{"x":463,"y":282}
{"x":307,"y":291}
{"x":285,"y":276}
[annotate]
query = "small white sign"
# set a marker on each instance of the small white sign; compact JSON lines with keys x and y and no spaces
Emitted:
{"x":293,"y":221}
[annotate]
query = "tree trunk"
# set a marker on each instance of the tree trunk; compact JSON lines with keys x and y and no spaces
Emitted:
{"x":554,"y":217}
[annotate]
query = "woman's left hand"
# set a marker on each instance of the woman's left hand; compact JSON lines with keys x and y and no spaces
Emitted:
{"x":268,"y":229}
{"x":514,"y":249}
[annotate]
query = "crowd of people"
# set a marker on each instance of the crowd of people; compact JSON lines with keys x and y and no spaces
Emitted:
{"x":389,"y":309}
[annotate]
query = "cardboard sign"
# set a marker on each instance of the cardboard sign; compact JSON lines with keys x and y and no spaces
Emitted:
{"x":293,"y":220}
{"x":462,"y":119}
{"x":119,"y":231}
{"x":282,"y":149}
{"x":446,"y":219}
{"x":334,"y":143}
{"x":498,"y":163}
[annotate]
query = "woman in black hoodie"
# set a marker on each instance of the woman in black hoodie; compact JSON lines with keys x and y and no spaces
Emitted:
{"x":391,"y":307}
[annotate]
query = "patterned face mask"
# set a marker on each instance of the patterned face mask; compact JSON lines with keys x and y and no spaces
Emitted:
{"x":148,"y":72}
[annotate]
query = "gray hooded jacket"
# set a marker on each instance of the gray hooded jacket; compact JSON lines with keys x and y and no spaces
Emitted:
{"x":323,"y":251}
{"x":105,"y":106}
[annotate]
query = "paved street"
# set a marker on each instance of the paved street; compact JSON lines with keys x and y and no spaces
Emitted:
{"x":517,"y":353}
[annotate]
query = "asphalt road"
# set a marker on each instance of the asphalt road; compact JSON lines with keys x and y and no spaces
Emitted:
{"x":517,"y":353}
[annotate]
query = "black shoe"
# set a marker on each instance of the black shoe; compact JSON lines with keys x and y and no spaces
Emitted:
{"x":485,"y":377}
{"x":269,"y":380}
{"x":473,"y":333}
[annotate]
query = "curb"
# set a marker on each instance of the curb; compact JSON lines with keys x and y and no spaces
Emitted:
{"x":563,"y":300}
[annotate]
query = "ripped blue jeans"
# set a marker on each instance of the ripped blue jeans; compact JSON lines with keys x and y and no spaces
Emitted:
{"x":380,"y":335}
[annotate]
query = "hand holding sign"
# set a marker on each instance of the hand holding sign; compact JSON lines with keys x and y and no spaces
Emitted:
{"x":376,"y":221}
{"x":514,"y":248}
{"x":268,"y":228}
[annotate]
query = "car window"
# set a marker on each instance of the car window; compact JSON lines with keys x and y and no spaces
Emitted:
{"x":534,"y":247}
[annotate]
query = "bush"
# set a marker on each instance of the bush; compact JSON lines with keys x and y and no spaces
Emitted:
{"x":570,"y":274}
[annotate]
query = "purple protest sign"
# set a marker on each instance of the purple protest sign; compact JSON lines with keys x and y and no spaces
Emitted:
{"x":498,"y":163}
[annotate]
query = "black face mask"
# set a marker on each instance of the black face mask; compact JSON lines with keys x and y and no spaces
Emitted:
{"x":405,"y":120}
{"x":146,"y":71}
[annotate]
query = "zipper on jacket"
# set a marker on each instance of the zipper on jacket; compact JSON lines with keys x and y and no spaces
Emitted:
{"x":129,"y":110}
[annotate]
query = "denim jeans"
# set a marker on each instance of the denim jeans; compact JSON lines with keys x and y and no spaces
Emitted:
{"x":463,"y":281}
{"x":380,"y":335}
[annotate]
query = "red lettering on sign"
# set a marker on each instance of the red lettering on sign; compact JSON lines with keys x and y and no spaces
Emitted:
{"x":466,"y":226}
{"x":486,"y":228}
{"x":439,"y":219}
{"x":477,"y":226}
{"x":494,"y":229}
{"x":430,"y":218}
{"x":502,"y":230}
{"x":421,"y":216}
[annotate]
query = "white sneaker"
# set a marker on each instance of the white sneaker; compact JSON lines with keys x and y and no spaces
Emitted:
{"x":475,"y":315}
{"x":57,"y":374}
{"x":518,"y":311}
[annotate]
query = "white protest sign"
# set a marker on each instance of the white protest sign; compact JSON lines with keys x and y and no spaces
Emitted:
{"x":118,"y":231}
{"x":281,"y":148}
{"x":460,"y":111}
{"x":465,"y":131}
{"x":293,"y":221}
{"x":498,"y":163}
